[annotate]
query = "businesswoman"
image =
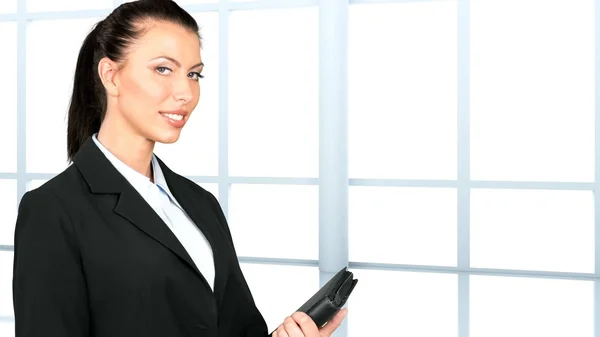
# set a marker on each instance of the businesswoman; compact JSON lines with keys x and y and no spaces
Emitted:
{"x":118,"y":245}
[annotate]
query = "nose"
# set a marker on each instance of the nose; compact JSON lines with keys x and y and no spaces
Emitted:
{"x":183,"y":91}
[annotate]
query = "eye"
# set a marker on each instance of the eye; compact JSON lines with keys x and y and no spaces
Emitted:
{"x":163,"y":70}
{"x":195,"y":75}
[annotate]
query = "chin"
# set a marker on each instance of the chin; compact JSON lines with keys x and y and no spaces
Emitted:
{"x":167,"y":137}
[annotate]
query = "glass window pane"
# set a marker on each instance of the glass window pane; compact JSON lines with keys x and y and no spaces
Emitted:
{"x":533,"y":230}
{"x":286,"y":216}
{"x":8,"y":216}
{"x":396,"y":225}
{"x":8,"y":81}
{"x":268,"y":282}
{"x":47,"y":109}
{"x":423,"y":304}
{"x":67,"y":5}
{"x":523,"y":307}
{"x":8,"y":6}
{"x":6,"y":274}
{"x":402,"y":94}
{"x":7,"y":328}
{"x":196,"y":151}
{"x":532,"y":90}
{"x":273,"y":94}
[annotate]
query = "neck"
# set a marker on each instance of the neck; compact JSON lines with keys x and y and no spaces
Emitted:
{"x":132,"y":149}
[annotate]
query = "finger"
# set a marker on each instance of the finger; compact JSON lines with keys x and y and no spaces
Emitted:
{"x":292,"y":328}
{"x":281,"y":332}
{"x":308,"y":326}
{"x":334,"y":323}
{"x":275,"y":333}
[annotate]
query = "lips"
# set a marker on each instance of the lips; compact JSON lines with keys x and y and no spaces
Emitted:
{"x":175,"y":118}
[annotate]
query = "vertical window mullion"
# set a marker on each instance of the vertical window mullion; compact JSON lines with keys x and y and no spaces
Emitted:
{"x":463,"y":221}
{"x":597,"y":173}
{"x":21,"y":99}
{"x":333,"y":140}
{"x":223,"y":106}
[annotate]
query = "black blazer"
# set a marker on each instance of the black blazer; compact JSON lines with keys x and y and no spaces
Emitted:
{"x":93,"y":259}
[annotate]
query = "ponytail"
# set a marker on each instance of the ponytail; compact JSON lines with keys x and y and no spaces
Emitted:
{"x":88,"y":100}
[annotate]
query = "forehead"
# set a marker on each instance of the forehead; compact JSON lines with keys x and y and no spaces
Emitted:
{"x":169,"y":39}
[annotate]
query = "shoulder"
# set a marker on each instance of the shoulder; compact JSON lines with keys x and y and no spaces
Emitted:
{"x":41,"y":198}
{"x":53,"y":201}
{"x":52,"y":195}
{"x":42,"y":215}
{"x":202,"y":195}
{"x":198,"y":189}
{"x":64,"y":186}
{"x":181,"y":180}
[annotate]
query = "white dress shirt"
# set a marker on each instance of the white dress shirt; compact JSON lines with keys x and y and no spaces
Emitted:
{"x":159,"y":197}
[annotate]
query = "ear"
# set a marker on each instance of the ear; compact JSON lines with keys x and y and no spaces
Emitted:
{"x":107,"y":70}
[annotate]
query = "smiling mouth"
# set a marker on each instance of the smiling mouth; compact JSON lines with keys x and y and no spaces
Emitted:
{"x":173,"y":116}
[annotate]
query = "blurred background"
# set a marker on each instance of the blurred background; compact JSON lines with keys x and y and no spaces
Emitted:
{"x":446,"y":150}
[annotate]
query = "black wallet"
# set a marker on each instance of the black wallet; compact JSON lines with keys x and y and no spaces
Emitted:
{"x":330,"y":299}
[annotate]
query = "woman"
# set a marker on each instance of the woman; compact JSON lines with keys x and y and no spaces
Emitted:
{"x":118,"y":244}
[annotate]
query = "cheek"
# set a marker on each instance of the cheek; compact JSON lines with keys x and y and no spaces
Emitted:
{"x":197,"y":91}
{"x":143,"y":94}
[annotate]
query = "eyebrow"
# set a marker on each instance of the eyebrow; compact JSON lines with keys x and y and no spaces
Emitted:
{"x":201,"y":64}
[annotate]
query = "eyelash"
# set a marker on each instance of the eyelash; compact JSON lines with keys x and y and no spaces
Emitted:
{"x":193,"y":72}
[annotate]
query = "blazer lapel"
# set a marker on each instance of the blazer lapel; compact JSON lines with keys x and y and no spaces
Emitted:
{"x":103,"y":178}
{"x":136,"y":210}
{"x":198,"y":209}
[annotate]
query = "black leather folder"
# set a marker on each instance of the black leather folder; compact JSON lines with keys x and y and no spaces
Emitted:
{"x":331,"y":298}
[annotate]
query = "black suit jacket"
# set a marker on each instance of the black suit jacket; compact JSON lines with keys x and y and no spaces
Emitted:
{"x":93,"y":259}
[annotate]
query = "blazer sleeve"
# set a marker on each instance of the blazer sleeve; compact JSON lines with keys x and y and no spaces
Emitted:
{"x":49,"y":292}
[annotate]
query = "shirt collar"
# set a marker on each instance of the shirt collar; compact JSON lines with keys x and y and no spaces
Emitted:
{"x":139,"y":181}
{"x":160,"y":181}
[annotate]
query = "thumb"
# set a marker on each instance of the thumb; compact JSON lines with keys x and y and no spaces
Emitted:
{"x":335,"y":322}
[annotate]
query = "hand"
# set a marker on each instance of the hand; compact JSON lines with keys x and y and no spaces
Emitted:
{"x":301,"y":325}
